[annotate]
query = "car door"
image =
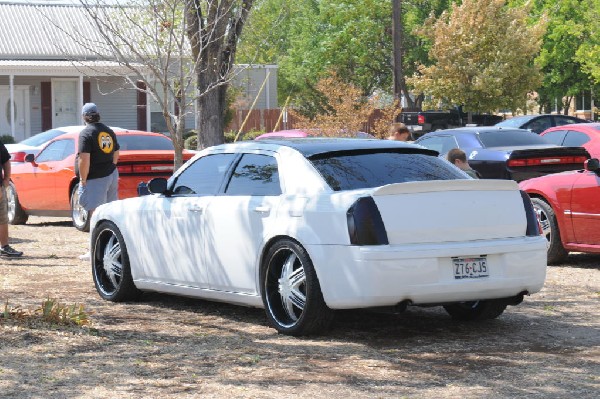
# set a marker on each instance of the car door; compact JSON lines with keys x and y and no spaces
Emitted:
{"x":175,"y":249}
{"x":38,"y":183}
{"x":237,"y":220}
{"x":585,"y":208}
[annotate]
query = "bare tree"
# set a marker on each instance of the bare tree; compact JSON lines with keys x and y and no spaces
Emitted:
{"x":179,"y":52}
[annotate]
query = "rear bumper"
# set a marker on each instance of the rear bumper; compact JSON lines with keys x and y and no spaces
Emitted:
{"x":370,"y":276}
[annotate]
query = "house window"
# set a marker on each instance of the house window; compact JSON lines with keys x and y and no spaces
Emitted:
{"x":583,"y":101}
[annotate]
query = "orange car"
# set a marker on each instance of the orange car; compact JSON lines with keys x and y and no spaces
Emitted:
{"x":47,"y":186}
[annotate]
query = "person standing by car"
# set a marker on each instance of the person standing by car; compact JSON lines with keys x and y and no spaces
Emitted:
{"x":458,"y":158}
{"x":399,"y":132}
{"x":97,"y":158}
{"x":5,"y":249}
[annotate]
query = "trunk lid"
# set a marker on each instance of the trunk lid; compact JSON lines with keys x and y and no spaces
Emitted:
{"x":451,"y":211}
{"x":525,"y":164}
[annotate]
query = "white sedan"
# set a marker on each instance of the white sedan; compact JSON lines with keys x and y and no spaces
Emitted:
{"x":303,"y":227}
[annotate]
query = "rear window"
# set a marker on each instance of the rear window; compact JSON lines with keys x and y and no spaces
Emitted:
{"x":509,"y":138}
{"x":356,"y":171}
{"x":132,"y":142}
{"x":513,"y":122}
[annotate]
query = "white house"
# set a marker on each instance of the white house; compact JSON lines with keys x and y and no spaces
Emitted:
{"x":42,"y":88}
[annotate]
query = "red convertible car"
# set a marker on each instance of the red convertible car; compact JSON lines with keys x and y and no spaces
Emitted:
{"x":568,"y":208}
{"x":580,"y":134}
{"x":46,"y":185}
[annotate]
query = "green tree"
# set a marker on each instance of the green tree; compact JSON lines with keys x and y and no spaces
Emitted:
{"x":588,"y":53}
{"x":309,"y":39}
{"x":483,"y":56}
{"x":563,"y":71}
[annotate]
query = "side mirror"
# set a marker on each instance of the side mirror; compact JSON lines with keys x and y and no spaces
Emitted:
{"x":592,"y":165}
{"x":158,"y":185}
{"x":29,"y":158}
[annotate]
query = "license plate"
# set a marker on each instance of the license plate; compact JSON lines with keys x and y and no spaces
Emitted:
{"x":415,"y":127}
{"x":470,"y":267}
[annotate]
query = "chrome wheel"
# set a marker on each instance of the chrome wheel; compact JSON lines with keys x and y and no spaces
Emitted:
{"x":11,"y":202}
{"x":16,"y":215}
{"x":291,"y":291}
{"x":291,"y":286}
{"x":547,"y":218}
{"x":110,"y":264}
{"x":544,"y":221}
{"x":78,"y":213}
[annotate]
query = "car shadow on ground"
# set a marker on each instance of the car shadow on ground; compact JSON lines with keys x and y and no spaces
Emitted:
{"x":582,"y":260}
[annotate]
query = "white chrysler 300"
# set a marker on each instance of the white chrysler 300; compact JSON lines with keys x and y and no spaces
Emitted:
{"x":302,"y":227}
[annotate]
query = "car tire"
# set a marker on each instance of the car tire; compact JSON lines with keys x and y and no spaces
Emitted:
{"x":291,"y":292}
{"x":111,"y":270}
{"x":476,"y":310}
{"x":16,"y":214}
{"x":547,"y":218}
{"x":78,"y":214}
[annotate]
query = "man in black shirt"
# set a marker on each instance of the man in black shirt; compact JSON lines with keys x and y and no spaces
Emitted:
{"x":97,"y":163}
{"x":5,"y":249}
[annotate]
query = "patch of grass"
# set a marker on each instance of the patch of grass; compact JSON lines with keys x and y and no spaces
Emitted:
{"x":51,"y":311}
{"x":549,"y":308}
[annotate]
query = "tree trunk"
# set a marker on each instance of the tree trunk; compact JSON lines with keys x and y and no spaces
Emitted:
{"x":211,"y":108}
{"x":398,"y":46}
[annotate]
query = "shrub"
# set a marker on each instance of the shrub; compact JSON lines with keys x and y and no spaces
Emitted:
{"x":7,"y":139}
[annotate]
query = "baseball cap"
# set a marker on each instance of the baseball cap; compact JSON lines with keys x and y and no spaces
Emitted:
{"x":89,"y":108}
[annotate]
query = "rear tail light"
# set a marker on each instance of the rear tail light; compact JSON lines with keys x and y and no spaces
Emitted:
{"x":533,"y":224}
{"x":18,"y":156}
{"x":546,"y":161}
{"x":420,"y":119}
{"x":365,"y":225}
{"x":141,"y":169}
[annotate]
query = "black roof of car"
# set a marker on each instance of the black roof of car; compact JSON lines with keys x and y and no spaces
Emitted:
{"x":475,"y":130}
{"x":310,"y":147}
{"x":521,"y":119}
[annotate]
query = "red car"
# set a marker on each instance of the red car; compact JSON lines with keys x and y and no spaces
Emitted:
{"x":46,"y":185}
{"x":568,"y":208}
{"x":579,"y":134}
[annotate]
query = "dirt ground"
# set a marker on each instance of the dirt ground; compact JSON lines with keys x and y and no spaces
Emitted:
{"x":169,"y":347}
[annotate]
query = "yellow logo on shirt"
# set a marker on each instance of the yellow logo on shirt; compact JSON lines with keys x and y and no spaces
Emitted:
{"x":105,"y":142}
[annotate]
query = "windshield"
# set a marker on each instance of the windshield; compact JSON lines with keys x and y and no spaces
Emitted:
{"x":130,"y":142}
{"x":41,"y":138}
{"x":355,"y":171}
{"x":510,"y":138}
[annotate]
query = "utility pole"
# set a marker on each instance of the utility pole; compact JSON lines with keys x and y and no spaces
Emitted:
{"x":398,"y":48}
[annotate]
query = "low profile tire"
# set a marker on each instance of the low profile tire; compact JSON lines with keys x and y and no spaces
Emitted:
{"x":78,"y":214}
{"x":110,"y":264}
{"x":556,"y":252}
{"x":291,"y":292}
{"x":476,"y":310}
{"x":16,"y":214}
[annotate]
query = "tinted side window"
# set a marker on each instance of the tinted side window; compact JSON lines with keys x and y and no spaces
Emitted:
{"x":555,"y":137}
{"x":354,"y":171}
{"x":540,"y":124}
{"x":56,"y":151}
{"x":575,"y":139}
{"x":255,"y":175}
{"x":204,"y":176}
{"x":561,"y":120}
{"x":143,"y":142}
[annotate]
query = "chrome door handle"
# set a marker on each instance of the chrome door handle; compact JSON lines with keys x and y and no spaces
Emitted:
{"x":196,"y":209}
{"x":262,"y":210}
